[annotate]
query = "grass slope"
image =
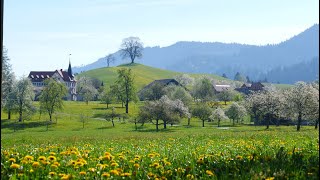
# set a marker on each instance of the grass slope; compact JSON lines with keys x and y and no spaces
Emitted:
{"x":143,"y":74}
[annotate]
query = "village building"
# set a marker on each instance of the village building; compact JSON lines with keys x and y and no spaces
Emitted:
{"x":221,"y":87}
{"x":246,"y":88}
{"x":37,"y":78}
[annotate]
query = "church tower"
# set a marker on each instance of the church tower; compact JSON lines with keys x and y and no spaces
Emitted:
{"x":70,"y":70}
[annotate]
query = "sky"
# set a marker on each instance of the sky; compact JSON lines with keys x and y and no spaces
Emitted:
{"x":40,"y":35}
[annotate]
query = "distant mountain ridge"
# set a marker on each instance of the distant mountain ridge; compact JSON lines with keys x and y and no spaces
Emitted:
{"x":217,"y":58}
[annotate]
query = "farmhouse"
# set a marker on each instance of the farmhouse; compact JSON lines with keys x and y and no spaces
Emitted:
{"x":37,"y":78}
{"x":247,"y":87}
{"x":221,"y":87}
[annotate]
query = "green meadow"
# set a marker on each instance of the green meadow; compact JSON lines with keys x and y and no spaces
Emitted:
{"x":81,"y":144}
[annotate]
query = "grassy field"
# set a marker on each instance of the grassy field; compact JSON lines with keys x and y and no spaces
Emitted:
{"x":97,"y":150}
{"x":143,"y":74}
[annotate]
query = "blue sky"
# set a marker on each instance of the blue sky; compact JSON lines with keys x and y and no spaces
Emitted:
{"x":40,"y":35}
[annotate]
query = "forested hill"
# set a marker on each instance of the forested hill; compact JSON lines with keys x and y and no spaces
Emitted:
{"x":257,"y":62}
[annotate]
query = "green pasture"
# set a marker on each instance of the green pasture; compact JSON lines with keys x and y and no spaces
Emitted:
{"x":65,"y":149}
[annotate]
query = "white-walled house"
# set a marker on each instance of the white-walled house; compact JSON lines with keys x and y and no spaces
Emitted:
{"x":37,"y":78}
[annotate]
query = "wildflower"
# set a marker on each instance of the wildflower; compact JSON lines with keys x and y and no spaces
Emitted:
{"x":15,"y":166}
{"x":13,"y":160}
{"x":56,"y":163}
{"x":210,"y":173}
{"x":150,"y":174}
{"x":167,"y":163}
{"x":52,"y":173}
{"x":53,"y":166}
{"x":114,"y":172}
{"x":92,"y":169}
{"x":270,"y":178}
{"x":136,"y":165}
{"x":105,"y":174}
{"x":28,"y":158}
{"x":125,"y":174}
{"x":42,"y":158}
{"x":156,"y":165}
{"x":200,"y":160}
{"x":35,"y":164}
{"x":190,"y":176}
{"x":151,"y":155}
{"x":114,"y":164}
{"x":82,"y":173}
{"x":239,"y":157}
{"x":52,"y":158}
{"x":52,"y":153}
{"x":66,"y":177}
{"x":31,"y":171}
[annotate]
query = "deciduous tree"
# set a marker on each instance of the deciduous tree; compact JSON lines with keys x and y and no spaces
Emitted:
{"x":131,"y":47}
{"x":51,"y":96}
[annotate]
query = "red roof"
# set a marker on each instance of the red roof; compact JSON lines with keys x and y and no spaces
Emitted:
{"x":39,"y":76}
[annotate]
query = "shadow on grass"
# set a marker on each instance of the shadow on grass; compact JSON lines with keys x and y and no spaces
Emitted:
{"x":102,"y":108}
{"x":13,"y":125}
{"x":153,"y":130}
{"x":106,"y":127}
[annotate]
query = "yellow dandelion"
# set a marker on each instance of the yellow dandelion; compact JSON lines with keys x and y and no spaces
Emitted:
{"x":105,"y":174}
{"x":125,"y":174}
{"x":52,"y":173}
{"x":82,"y":173}
{"x":167,"y":163}
{"x":53,"y":166}
{"x":92,"y":169}
{"x":56,"y":163}
{"x":107,"y":154}
{"x":239,"y":157}
{"x":52,"y":158}
{"x":151,"y":155}
{"x":12,"y":160}
{"x":31,"y":171}
{"x":150,"y":174}
{"x":28,"y":158}
{"x":200,"y":161}
{"x":136,"y":165}
{"x":114,"y":172}
{"x":15,"y":166}
{"x":114,"y":164}
{"x":190,"y":176}
{"x":269,"y":178}
{"x":35,"y":164}
{"x":52,"y":153}
{"x":210,"y":173}
{"x":42,"y":158}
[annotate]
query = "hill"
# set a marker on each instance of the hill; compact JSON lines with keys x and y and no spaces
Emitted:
{"x":230,"y":58}
{"x":143,"y":74}
{"x":146,"y":74}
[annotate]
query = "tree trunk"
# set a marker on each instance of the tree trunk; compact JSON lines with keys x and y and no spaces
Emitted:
{"x":218,"y":122}
{"x":127,"y":106}
{"x":203,"y":123}
{"x":107,"y":106}
{"x":50,"y":115}
{"x":225,"y":102}
{"x":20,"y":116}
{"x":233,"y":121}
{"x":112,"y":122}
{"x":299,"y":121}
{"x":316,"y":125}
{"x":164,"y":124}
{"x":268,"y":121}
{"x":9,"y":114}
{"x":188,"y":121}
{"x":157,"y":124}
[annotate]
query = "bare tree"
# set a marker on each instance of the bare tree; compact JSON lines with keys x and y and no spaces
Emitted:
{"x":131,"y":47}
{"x":110,"y":59}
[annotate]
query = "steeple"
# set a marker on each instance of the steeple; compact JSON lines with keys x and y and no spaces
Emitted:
{"x":69,"y":69}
